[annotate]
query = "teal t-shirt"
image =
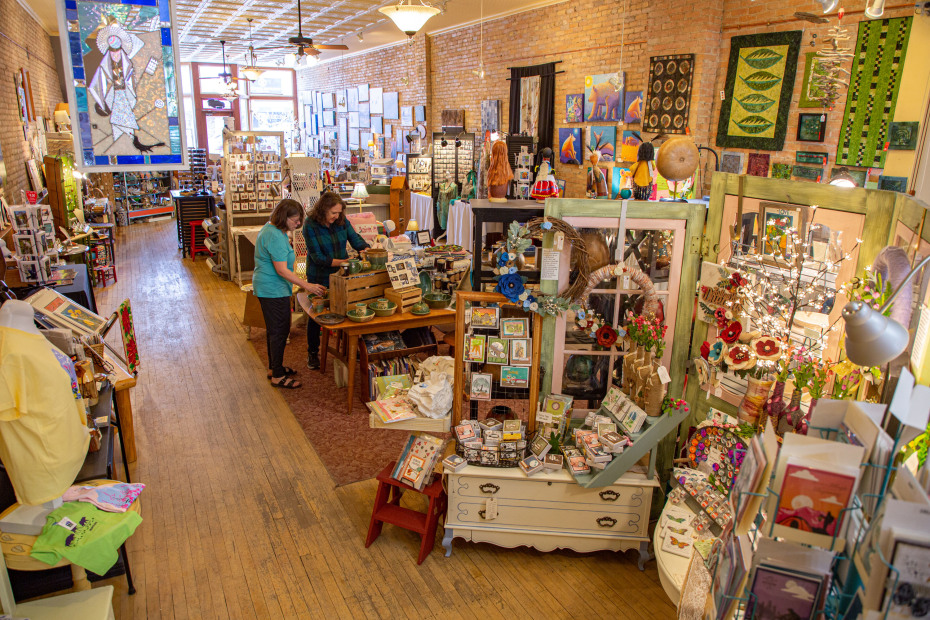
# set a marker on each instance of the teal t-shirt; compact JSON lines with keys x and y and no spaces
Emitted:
{"x":271,"y":246}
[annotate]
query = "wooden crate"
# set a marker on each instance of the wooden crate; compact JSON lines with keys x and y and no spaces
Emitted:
{"x":404,"y":297}
{"x":346,"y":291}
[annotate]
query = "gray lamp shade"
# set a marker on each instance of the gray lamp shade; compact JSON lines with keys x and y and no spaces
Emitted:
{"x":871,"y":338}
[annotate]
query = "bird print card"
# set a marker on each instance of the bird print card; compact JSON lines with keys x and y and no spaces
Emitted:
{"x":678,"y":544}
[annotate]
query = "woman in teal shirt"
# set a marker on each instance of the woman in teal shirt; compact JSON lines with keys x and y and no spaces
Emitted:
{"x":271,"y":282}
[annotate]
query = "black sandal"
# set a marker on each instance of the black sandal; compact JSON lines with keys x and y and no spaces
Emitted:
{"x":288,"y":372}
{"x":287,"y":383}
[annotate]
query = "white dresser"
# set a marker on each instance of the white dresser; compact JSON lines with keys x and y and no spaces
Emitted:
{"x":548,"y":511}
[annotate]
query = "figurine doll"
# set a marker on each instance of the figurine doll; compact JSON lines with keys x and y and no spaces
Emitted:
{"x":597,"y":182}
{"x":545,"y":185}
{"x":499,"y":173}
{"x":643,"y":171}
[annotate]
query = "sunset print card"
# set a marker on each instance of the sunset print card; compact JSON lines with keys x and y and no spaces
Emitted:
{"x":779,"y":593}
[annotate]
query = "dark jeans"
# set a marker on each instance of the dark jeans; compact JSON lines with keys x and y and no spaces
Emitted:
{"x":277,"y":313}
{"x":313,"y":337}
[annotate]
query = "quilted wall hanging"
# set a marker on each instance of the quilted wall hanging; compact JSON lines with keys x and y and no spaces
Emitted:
{"x":873,"y":91}
{"x":668,"y":100}
{"x":760,"y":80}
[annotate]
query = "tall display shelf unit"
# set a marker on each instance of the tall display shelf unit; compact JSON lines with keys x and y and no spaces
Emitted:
{"x":876,"y":217}
{"x":143,"y":194}
{"x":252,"y":163}
{"x":634,"y":232}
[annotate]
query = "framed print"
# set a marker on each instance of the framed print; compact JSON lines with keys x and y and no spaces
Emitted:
{"x":134,"y":43}
{"x":377,"y":125}
{"x":329,"y":101}
{"x":419,"y":113}
{"x":514,"y":328}
{"x":812,"y":127}
{"x":480,"y":386}
{"x":391,"y":106}
{"x":902,"y":136}
{"x":376,"y":100}
{"x":894,"y":184}
{"x":329,"y":118}
{"x":342,"y":105}
{"x":777,"y":220}
{"x":352,"y":99}
{"x":515,"y":376}
{"x":344,"y":134}
{"x":353,"y":137}
{"x":424,"y":237}
{"x":498,"y":351}
{"x":474,"y":352}
{"x":406,"y":116}
{"x":811,"y":157}
{"x":783,"y":593}
{"x":353,"y":119}
{"x":363,"y":92}
{"x":912,"y":591}
{"x":486,"y":317}
{"x":520,"y":352}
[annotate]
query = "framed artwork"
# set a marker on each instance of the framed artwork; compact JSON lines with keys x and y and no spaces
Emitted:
{"x":811,"y":157}
{"x":629,"y":148}
{"x":498,"y":351}
{"x":365,"y":139}
{"x":520,"y":352}
{"x":28,"y":270}
{"x":140,"y":127}
{"x":515,"y":376}
{"x":364,"y":109}
{"x":329,"y":101}
{"x":486,"y":317}
{"x":781,"y":171}
{"x":424,"y":237}
{"x":450,"y":118}
{"x":329,"y":118}
{"x":490,"y":115}
{"x":808,"y":172}
{"x":813,"y":68}
{"x":603,"y":97}
{"x":377,"y":125}
{"x":570,"y":150}
{"x":353,"y":138}
{"x":403,"y":272}
{"x":353,"y":119}
{"x":391,"y":107}
{"x":633,"y":106}
{"x":406,"y":116}
{"x":667,"y":100}
{"x":25,"y":244}
{"x":343,"y":134}
{"x":475,"y":349}
{"x":419,"y":113}
{"x":603,"y":138}
{"x":363,"y":92}
{"x":376,"y":100}
{"x":342,"y":105}
{"x":777,"y":219}
{"x":731,"y":161}
{"x":812,"y":499}
{"x":812,"y":127}
{"x":894,"y":184}
{"x":352,"y":99}
{"x":514,"y":328}
{"x":757,"y":94}
{"x":902,"y":136}
{"x":364,"y":119}
{"x":783,"y":593}
{"x":758,"y":164}
{"x":574,"y":108}
{"x":480,"y":388}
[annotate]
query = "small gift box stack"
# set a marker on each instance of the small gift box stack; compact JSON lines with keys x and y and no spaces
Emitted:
{"x":490,"y":442}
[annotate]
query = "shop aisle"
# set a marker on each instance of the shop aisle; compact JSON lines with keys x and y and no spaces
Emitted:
{"x":241,"y":519}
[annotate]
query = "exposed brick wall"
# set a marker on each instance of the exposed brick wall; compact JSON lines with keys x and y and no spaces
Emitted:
{"x":20,"y":26}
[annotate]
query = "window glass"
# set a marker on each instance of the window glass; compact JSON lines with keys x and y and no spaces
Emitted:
{"x":272,"y":115}
{"x":215,"y":126}
{"x":274,"y":83}
{"x":209,"y":80}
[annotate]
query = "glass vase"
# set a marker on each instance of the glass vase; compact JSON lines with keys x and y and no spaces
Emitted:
{"x":750,"y":409}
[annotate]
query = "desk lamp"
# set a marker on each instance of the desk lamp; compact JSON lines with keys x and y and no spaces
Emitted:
{"x":873,"y":339}
{"x":360,"y":192}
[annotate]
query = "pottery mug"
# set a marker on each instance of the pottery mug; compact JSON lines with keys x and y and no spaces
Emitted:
{"x":382,"y":304}
{"x":353,"y":266}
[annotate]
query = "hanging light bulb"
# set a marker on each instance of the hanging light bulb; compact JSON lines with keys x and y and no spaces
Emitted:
{"x":409,"y":17}
{"x":829,"y":5}
{"x":875,"y":10}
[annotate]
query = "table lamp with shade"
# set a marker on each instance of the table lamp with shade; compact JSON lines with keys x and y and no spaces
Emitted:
{"x":360,"y":192}
{"x":873,"y":339}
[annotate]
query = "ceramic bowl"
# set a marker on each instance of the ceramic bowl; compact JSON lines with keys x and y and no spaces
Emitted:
{"x":377,"y":258}
{"x":419,"y":308}
{"x":437,"y":301}
{"x":353,"y":315}
{"x":386,"y":309}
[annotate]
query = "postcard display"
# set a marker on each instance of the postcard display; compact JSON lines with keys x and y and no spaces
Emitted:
{"x":33,"y":241}
{"x":420,"y":173}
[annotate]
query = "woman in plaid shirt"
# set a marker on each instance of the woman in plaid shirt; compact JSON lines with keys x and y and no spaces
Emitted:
{"x":326,"y":232}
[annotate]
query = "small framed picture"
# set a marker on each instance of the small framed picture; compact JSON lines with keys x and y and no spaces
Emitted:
{"x":424,"y":237}
{"x":29,"y":270}
{"x":779,"y":222}
{"x":498,"y":351}
{"x":515,"y":328}
{"x":474,"y":352}
{"x":485,"y":317}
{"x":520,"y":352}
{"x":25,"y":244}
{"x":515,"y":376}
{"x":480,"y":386}
{"x":812,"y":127}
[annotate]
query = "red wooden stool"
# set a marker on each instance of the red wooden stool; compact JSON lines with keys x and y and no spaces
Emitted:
{"x":102,"y":273}
{"x":388,"y":510}
{"x":197,"y":247}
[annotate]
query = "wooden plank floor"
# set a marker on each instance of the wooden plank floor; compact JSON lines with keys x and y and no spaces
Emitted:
{"x":241,"y":519}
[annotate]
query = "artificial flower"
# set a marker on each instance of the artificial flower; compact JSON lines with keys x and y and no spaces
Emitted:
{"x":524,"y":295}
{"x":728,"y":315}
{"x":737,"y":279}
{"x":502,"y":261}
{"x":747,"y":337}
{"x":510,"y":286}
{"x":512,"y":270}
{"x":766,"y":348}
{"x":606,"y":336}
{"x":512,"y":256}
{"x":546,"y":225}
{"x":580,"y":314}
{"x":534,"y":306}
{"x":732,"y":332}
{"x":740,"y":358}
{"x":705,"y":349}
{"x":716,"y":352}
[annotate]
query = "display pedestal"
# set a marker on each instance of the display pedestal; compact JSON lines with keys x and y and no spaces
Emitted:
{"x":549,"y":511}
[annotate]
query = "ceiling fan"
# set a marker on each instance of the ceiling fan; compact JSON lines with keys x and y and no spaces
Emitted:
{"x":305,"y":45}
{"x":230,"y":81}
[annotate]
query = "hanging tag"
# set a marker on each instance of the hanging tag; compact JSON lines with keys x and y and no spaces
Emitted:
{"x":549,"y":269}
{"x":626,"y":282}
{"x":543,"y":417}
{"x":718,"y":391}
{"x":663,"y":375}
{"x":67,"y":523}
{"x":558,"y":240}
{"x":490,"y":509}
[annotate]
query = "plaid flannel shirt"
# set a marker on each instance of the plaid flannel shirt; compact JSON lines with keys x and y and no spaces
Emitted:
{"x":324,"y":243}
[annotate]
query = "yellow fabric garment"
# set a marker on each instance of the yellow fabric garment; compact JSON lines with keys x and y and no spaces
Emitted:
{"x":43,"y":432}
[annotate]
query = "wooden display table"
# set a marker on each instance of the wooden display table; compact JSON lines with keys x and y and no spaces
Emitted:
{"x":123,"y":383}
{"x":352,"y":331}
{"x":549,"y":511}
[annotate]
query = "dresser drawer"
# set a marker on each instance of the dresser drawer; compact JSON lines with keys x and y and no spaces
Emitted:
{"x":545,"y":491}
{"x":607,"y":520}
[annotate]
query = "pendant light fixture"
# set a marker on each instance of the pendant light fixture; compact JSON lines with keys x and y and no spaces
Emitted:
{"x":409,"y":17}
{"x":479,"y":72}
{"x":251,"y":71}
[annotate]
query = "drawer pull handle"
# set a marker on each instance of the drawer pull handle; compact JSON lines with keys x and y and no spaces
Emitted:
{"x":489,"y":488}
{"x":606,"y":521}
{"x":609,"y":496}
{"x":481,"y":513}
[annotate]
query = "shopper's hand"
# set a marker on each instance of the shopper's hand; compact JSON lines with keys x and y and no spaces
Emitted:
{"x":315,"y":289}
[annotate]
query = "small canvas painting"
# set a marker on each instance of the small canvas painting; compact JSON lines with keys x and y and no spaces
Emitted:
{"x":574,"y":108}
{"x":812,"y":127}
{"x":902,"y":136}
{"x":604,"y":140}
{"x":490,"y":115}
{"x":633,"y":106}
{"x":812,"y":499}
{"x":406,"y":116}
{"x":376,"y":100}
{"x":391,"y":106}
{"x":603,"y":97}
{"x":781,"y":171}
{"x":570,"y":150}
{"x":894,"y":184}
{"x":731,"y":161}
{"x":629,"y":148}
{"x":620,"y":179}
{"x":759,"y":164}
{"x":783,"y":594}
{"x":498,"y":351}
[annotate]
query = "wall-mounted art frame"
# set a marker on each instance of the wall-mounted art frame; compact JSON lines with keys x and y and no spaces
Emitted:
{"x":139,"y":127}
{"x":812,"y":127}
{"x":902,"y":136}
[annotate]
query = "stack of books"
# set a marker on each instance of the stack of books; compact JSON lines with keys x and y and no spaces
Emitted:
{"x":418,"y":459}
{"x":393,"y":409}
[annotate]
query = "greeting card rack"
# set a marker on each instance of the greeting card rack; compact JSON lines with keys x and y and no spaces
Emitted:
{"x":844,"y":581}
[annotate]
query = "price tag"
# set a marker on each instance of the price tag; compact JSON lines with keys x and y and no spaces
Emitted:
{"x":490,"y":509}
{"x":663,"y":375}
{"x":558,"y":241}
{"x":718,"y":391}
{"x":67,"y":523}
{"x":549,"y":270}
{"x":544,"y":417}
{"x":626,"y":282}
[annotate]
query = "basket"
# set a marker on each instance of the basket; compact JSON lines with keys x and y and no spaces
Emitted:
{"x":346,"y":291}
{"x":405,"y":298}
